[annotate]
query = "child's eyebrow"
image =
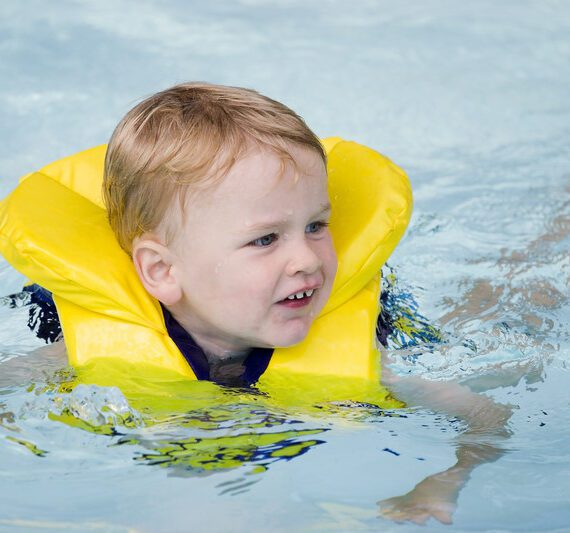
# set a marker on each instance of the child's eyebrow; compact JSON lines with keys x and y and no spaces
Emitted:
{"x":324,"y":210}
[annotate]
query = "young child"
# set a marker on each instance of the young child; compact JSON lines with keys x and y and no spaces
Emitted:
{"x":220,"y":196}
{"x":210,"y":253}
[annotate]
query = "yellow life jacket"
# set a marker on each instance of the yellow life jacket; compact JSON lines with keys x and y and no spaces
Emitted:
{"x":53,"y":229}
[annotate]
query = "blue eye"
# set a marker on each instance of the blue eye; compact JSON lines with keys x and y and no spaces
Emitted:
{"x":266,"y":240}
{"x":315,"y":227}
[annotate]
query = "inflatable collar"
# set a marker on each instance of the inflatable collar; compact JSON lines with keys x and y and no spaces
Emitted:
{"x":53,"y":229}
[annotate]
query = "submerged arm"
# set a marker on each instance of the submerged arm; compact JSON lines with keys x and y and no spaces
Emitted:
{"x":436,"y":496}
{"x":34,"y":365}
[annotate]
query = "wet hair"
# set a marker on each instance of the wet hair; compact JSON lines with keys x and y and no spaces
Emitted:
{"x":189,"y":135}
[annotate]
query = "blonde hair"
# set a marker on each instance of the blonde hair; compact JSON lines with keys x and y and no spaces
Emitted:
{"x":189,"y":134}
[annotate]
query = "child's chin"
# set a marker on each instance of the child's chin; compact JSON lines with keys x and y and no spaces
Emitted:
{"x":291,"y":338}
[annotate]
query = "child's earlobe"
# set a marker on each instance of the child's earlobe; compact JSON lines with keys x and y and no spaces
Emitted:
{"x":153,"y":263}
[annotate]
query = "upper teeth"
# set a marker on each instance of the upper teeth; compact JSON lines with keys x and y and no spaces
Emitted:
{"x":301,"y":294}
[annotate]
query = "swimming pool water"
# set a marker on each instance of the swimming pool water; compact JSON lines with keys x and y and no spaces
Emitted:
{"x":471,"y":99}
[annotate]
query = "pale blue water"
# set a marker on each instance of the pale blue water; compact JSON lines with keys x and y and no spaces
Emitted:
{"x":472,"y":100}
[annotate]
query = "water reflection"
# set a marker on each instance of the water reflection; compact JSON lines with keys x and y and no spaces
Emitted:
{"x":198,"y":455}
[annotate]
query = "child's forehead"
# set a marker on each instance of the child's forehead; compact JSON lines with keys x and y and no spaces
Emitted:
{"x":259,"y":173}
{"x":257,"y":188}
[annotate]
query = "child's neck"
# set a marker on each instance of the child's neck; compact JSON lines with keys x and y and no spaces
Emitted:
{"x":215,"y":349}
{"x":216,"y":353}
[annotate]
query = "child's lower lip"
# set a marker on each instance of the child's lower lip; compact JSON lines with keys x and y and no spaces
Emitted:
{"x":296,"y":303}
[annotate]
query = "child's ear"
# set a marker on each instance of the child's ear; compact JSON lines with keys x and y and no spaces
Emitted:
{"x":153,"y":263}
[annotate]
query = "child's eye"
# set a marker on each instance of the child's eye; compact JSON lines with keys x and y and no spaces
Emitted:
{"x":315,"y":227}
{"x":266,"y":240}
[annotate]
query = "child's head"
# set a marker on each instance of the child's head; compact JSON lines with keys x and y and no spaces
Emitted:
{"x":184,"y":138}
{"x":220,"y":196}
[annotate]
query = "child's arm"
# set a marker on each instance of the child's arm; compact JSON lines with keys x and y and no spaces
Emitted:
{"x":436,"y":496}
{"x":34,"y":365}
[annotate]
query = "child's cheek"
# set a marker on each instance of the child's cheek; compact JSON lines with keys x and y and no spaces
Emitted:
{"x":265,"y":279}
{"x":330,"y":255}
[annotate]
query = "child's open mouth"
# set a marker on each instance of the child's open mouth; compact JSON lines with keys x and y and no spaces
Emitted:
{"x":299,"y":299}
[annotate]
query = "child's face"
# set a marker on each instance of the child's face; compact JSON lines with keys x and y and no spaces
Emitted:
{"x":247,"y":246}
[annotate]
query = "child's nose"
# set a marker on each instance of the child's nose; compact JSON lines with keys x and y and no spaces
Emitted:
{"x":303,"y":259}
